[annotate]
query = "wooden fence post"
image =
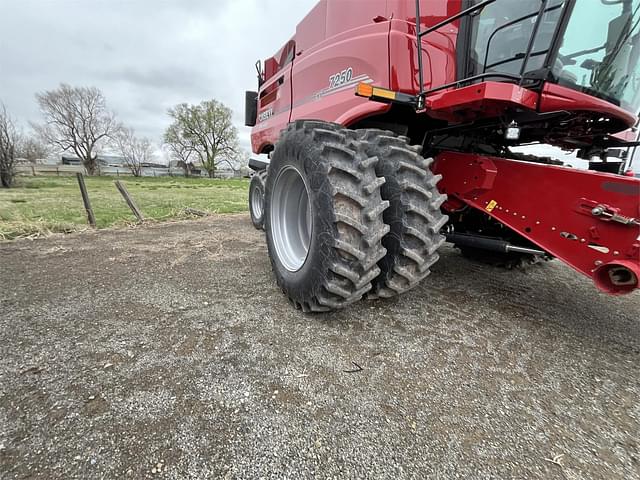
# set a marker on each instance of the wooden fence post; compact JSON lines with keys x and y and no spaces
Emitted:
{"x":125,"y":193}
{"x":85,"y":199}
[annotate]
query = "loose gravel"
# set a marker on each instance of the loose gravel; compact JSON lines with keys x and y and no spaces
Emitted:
{"x":167,"y":351}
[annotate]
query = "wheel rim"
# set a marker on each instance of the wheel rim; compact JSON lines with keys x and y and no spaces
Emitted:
{"x":290,"y":215}
{"x":257,"y":202}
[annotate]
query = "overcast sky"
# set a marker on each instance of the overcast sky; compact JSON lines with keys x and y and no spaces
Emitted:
{"x":145,"y":55}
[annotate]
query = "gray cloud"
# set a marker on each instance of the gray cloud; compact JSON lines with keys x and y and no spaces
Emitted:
{"x":145,"y":55}
{"x":170,"y":78}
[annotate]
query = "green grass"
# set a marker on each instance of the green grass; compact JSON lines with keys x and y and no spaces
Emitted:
{"x":40,"y":205}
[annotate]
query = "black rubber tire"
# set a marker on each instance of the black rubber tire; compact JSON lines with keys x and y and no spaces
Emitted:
{"x":346,"y":216}
{"x":257,"y":188}
{"x":414,"y":215}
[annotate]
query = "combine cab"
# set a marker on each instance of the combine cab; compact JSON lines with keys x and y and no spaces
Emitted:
{"x":392,"y":127}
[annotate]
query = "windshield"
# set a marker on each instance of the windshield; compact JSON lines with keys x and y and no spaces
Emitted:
{"x":600,"y":50}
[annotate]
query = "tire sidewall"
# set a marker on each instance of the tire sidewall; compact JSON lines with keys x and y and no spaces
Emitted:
{"x":300,"y":153}
{"x":257,"y":183}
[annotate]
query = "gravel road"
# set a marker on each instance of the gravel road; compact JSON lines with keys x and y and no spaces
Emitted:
{"x":167,"y":351}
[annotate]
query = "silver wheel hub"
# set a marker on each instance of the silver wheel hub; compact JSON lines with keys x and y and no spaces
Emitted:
{"x":257,"y":202}
{"x":290,"y":215}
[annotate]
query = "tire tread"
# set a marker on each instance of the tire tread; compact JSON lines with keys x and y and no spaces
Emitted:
{"x":415,"y":218}
{"x":349,"y":177}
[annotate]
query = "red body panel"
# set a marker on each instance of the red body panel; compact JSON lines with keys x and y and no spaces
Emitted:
{"x":337,"y":35}
{"x":357,"y":52}
{"x":438,"y":48}
{"x":480,"y":100}
{"x":492,"y":99}
{"x":551,"y":206}
{"x":274,"y":109}
{"x":438,"y":57}
{"x":556,"y":97}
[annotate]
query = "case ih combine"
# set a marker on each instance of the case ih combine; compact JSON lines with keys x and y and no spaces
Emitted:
{"x":391,"y":125}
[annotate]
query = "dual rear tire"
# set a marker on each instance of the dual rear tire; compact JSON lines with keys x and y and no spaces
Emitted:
{"x":348,"y":214}
{"x":414,"y":214}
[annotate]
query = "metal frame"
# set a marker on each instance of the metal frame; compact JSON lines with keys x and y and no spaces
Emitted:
{"x":421,"y":33}
{"x":588,"y":219}
{"x":567,"y":8}
{"x":532,"y":39}
{"x":482,"y":76}
{"x":556,"y":41}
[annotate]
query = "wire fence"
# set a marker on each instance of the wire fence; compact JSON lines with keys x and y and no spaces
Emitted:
{"x":65,"y":170}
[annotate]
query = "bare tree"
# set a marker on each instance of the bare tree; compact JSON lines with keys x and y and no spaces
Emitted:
{"x":135,"y":151}
{"x":9,"y":139}
{"x":32,"y":149}
{"x":77,"y":120}
{"x":180,"y":149}
{"x":207,"y":130}
{"x":237,"y":160}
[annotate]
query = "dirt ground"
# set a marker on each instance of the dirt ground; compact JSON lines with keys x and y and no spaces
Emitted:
{"x":167,"y":351}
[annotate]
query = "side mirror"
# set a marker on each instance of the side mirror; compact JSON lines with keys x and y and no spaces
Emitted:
{"x":250,"y":108}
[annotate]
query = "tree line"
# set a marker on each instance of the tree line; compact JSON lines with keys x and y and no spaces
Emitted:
{"x":77,"y":120}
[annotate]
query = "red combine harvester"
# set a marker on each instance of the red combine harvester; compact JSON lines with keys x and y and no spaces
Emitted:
{"x":391,"y":127}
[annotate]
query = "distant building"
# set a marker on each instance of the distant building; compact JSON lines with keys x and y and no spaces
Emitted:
{"x":48,"y":161}
{"x":66,"y":160}
{"x":193,"y":168}
{"x":153,"y":165}
{"x":103,"y":160}
{"x":111,"y":161}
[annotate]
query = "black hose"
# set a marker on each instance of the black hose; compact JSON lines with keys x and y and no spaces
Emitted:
{"x":488,"y":243}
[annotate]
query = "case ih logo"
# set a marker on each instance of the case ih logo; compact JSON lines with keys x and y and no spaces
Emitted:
{"x":266,"y":115}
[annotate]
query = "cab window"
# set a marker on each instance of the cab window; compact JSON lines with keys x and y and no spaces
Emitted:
{"x":500,"y":35}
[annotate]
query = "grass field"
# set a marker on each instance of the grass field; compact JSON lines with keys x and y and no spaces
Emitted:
{"x":40,"y":205}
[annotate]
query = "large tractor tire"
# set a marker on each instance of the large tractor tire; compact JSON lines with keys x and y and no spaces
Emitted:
{"x":324,"y":216}
{"x":414,"y":215}
{"x":256,"y":199}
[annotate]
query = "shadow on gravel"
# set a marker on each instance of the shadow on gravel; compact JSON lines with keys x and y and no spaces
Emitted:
{"x":548,"y":295}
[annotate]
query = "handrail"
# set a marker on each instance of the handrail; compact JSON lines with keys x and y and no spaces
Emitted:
{"x":421,"y":33}
{"x":452,"y":18}
{"x":525,"y":56}
{"x":472,"y":79}
{"x":532,"y":39}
